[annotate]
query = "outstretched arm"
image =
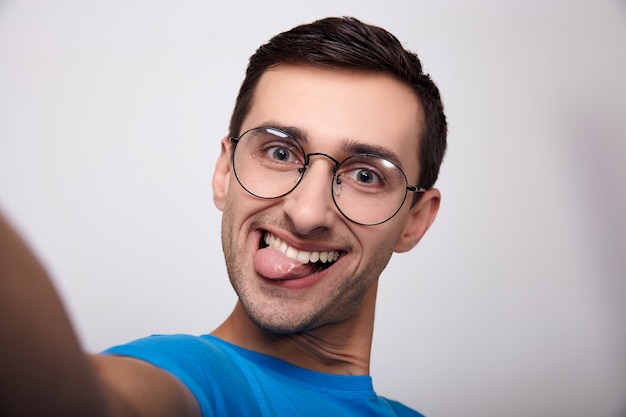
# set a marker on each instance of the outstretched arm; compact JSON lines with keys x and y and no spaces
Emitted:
{"x":43,"y":370}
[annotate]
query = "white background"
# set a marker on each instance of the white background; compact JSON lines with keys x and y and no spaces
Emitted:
{"x":111,"y":114}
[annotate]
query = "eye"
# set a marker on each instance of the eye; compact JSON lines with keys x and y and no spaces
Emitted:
{"x":369,"y":174}
{"x":365,"y":176}
{"x":362,"y":177}
{"x":280,"y":153}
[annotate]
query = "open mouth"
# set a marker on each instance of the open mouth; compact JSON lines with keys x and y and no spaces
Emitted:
{"x":320,"y":259}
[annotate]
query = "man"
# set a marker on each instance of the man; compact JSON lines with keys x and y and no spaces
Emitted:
{"x":334,"y":147}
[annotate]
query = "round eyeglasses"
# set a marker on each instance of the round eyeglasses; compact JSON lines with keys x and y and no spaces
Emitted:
{"x":367,"y":189}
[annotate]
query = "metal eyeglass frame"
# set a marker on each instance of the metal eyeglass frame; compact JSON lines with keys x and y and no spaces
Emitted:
{"x":334,"y":178}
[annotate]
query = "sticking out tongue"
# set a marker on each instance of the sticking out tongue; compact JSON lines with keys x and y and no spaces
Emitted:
{"x":273,"y":264}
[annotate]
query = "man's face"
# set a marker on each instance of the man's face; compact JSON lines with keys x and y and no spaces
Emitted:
{"x":333,"y":109}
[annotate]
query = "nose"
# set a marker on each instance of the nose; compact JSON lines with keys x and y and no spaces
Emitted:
{"x":309,"y":206}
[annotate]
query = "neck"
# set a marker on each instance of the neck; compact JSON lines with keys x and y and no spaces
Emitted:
{"x":340,"y":348}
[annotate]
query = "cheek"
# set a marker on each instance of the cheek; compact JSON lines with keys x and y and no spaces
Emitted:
{"x":242,"y":212}
{"x":381,"y":239}
{"x":237,"y":200}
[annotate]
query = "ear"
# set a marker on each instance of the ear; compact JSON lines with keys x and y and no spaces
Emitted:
{"x":421,"y":216}
{"x":221,"y":175}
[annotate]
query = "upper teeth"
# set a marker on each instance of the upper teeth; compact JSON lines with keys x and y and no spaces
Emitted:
{"x":302,"y":256}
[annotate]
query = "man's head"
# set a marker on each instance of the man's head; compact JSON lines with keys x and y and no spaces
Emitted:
{"x":299,"y":259}
{"x":348,"y":44}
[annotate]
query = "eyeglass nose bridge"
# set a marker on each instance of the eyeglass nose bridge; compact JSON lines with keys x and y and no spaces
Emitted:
{"x":307,"y":162}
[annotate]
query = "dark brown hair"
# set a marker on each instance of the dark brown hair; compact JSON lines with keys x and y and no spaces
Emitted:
{"x":346,"y":43}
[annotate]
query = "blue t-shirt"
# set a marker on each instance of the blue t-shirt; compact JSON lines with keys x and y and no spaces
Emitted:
{"x":228,"y":380}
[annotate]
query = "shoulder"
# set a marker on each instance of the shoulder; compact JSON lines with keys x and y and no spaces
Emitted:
{"x":181,"y":354}
{"x":208,"y":367}
{"x":177,"y":347}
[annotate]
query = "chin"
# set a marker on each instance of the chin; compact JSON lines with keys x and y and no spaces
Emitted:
{"x":278,"y":328}
{"x":281,"y":323}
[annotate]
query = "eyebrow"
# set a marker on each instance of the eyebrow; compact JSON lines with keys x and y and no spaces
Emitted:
{"x":300,"y":135}
{"x":352,"y":147}
{"x":348,"y":146}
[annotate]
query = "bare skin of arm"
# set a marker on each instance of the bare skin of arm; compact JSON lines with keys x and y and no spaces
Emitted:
{"x":43,"y":369}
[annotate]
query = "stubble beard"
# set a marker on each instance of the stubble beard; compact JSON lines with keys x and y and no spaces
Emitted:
{"x":275,"y":311}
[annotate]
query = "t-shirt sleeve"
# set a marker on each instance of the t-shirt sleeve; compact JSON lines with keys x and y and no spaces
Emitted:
{"x":186,"y":357}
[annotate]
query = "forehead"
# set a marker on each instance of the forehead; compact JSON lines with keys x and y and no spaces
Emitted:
{"x":333,"y":107}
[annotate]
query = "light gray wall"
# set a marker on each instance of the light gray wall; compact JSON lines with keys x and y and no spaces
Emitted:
{"x":512,"y":305}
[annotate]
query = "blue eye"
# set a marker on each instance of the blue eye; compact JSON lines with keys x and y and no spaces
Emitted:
{"x":279,"y":154}
{"x":365,"y":176}
{"x":362,"y":177}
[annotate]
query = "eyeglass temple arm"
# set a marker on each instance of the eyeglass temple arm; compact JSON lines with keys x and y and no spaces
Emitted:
{"x":415,"y":189}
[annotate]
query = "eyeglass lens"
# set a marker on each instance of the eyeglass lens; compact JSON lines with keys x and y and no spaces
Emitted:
{"x":367,"y":189}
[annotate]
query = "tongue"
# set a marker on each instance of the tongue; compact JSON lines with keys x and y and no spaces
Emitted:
{"x":273,"y":264}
